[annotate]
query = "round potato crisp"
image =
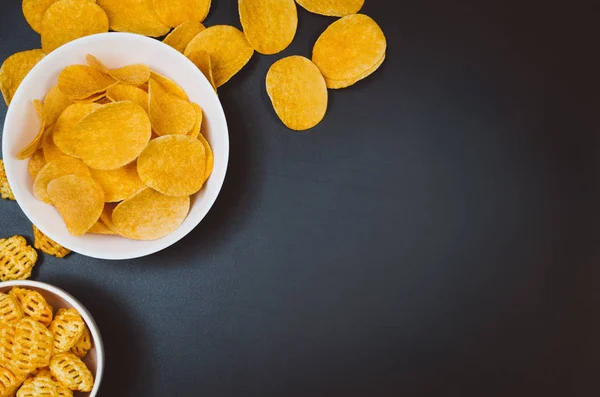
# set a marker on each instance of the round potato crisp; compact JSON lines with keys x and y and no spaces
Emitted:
{"x":14,"y":69}
{"x":55,"y":169}
{"x":337,"y":84}
{"x":118,"y":184}
{"x":136,"y":74}
{"x":168,"y":113}
{"x":55,"y":103}
{"x":81,"y":81}
{"x":79,"y":200}
{"x":168,"y":85}
{"x":124,"y":92}
{"x":62,"y":133}
{"x":332,"y":8}
{"x":174,"y":13}
{"x":298,"y":92}
{"x":150,"y":215}
{"x":269,"y":25}
{"x":174,"y":165}
{"x":181,"y":36}
{"x":134,"y":16}
{"x":349,"y":47}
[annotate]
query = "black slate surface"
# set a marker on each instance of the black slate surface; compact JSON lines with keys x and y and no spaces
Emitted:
{"x":436,"y":234}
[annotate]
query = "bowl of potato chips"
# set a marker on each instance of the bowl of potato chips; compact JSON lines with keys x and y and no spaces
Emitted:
{"x":49,"y":343}
{"x":115,"y":145}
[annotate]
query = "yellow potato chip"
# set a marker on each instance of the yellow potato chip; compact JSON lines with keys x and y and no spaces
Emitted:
{"x":9,"y":382}
{"x":181,"y":36}
{"x":122,"y":125}
{"x":81,"y":81}
{"x":228,"y":49}
{"x":67,"y":328}
{"x":168,"y":85}
{"x":174,"y":13}
{"x":132,"y":74}
{"x":16,"y":259}
{"x":168,"y":113}
{"x":210,"y":160}
{"x":100,"y":228}
{"x":337,"y":84}
{"x":33,"y":346}
{"x":120,"y":183}
{"x":68,"y":20}
{"x":79,"y":200}
{"x":298,"y":92}
{"x":150,"y":215}
{"x":51,"y":151}
{"x":55,"y":103}
{"x":174,"y":165}
{"x":10,"y":309}
{"x":71,"y":372}
{"x":124,"y":92}
{"x":195,"y":131}
{"x":30,"y":149}
{"x":5,"y":190}
{"x":332,"y":8}
{"x":18,"y":293}
{"x":14,"y":69}
{"x":83,"y":345}
{"x":36,"y":163}
{"x":202,"y":61}
{"x":35,"y":306}
{"x":269,"y":25}
{"x":62,"y":133}
{"x":47,"y":245}
{"x":134,"y":16}
{"x":55,"y":169}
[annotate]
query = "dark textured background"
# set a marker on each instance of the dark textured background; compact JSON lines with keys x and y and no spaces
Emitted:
{"x":436,"y":234}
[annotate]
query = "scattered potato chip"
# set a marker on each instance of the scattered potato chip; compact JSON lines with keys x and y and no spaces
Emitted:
{"x":33,"y":346}
{"x":68,"y":20}
{"x":63,"y":136}
{"x":14,"y":69}
{"x":174,"y":165}
{"x":18,"y":293}
{"x":30,"y":149}
{"x":50,"y":150}
{"x":79,"y":200}
{"x":36,"y":163}
{"x":168,"y":113}
{"x":33,"y":10}
{"x":47,"y":245}
{"x":349,"y":47}
{"x":298,"y":92}
{"x":269,"y":25}
{"x":35,"y":306}
{"x":122,"y":125}
{"x":181,"y":36}
{"x":228,"y":49}
{"x":9,"y":382}
{"x":83,"y":345}
{"x":16,"y":259}
{"x":131,"y":74}
{"x":10,"y":309}
{"x":100,"y":228}
{"x":210,"y":160}
{"x":150,"y":215}
{"x":195,"y":131}
{"x":55,"y":103}
{"x":81,"y":81}
{"x":120,"y":183}
{"x":124,"y":92}
{"x":174,"y":13}
{"x":332,"y":8}
{"x":5,"y":190}
{"x":55,"y":169}
{"x":67,"y":328}
{"x":202,"y":61}
{"x":168,"y":85}
{"x":337,"y":84}
{"x":70,"y":371}
{"x":134,"y":16}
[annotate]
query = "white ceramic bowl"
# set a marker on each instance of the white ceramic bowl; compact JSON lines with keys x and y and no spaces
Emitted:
{"x":59,"y":299}
{"x":115,"y":50}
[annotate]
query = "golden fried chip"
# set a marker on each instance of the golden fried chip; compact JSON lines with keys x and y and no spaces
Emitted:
{"x":5,"y":190}
{"x":150,"y":215}
{"x":14,"y":69}
{"x":30,"y":149}
{"x":71,"y":372}
{"x":10,"y":309}
{"x":50,"y":150}
{"x":9,"y":382}
{"x":16,"y":259}
{"x":134,"y":16}
{"x":168,"y":85}
{"x":63,"y":136}
{"x":106,"y":217}
{"x":81,"y":81}
{"x":7,"y":344}
{"x":269,"y":25}
{"x":91,"y":99}
{"x":228,"y":49}
{"x":181,"y":36}
{"x":83,"y":345}
{"x":55,"y":169}
{"x":174,"y":13}
{"x":68,"y":20}
{"x":337,"y":84}
{"x":298,"y":92}
{"x":79,"y":200}
{"x":33,"y":346}
{"x":100,"y":228}
{"x":202,"y":61}
{"x":55,"y":103}
{"x":47,"y":245}
{"x":35,"y":306}
{"x":67,"y":327}
{"x":195,"y":131}
{"x":120,"y":183}
{"x":349,"y":47}
{"x":36,"y":163}
{"x":332,"y":8}
{"x":40,"y":386}
{"x":122,"y":125}
{"x":210,"y":160}
{"x":132,"y":74}
{"x":124,"y":92}
{"x":174,"y":165}
{"x":18,"y":293}
{"x":168,"y":113}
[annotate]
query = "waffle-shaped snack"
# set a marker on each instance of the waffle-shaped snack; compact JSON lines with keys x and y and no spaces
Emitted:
{"x":5,"y":190}
{"x":47,"y":245}
{"x":83,"y":345}
{"x":16,"y":258}
{"x":10,"y":309}
{"x":38,"y":387}
{"x":35,"y":306}
{"x":18,"y":293}
{"x":67,"y":327}
{"x":32,"y":346}
{"x":7,"y":344}
{"x":71,"y":372}
{"x":9,"y":382}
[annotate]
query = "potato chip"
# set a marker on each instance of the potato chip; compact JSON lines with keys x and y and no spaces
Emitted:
{"x":68,"y":20}
{"x":91,"y":99}
{"x":269,"y":25}
{"x":210,"y":160}
{"x":120,"y":183}
{"x":35,"y":306}
{"x":79,"y":200}
{"x":81,"y":81}
{"x":18,"y":294}
{"x":70,"y":371}
{"x":7,"y":344}
{"x":174,"y":13}
{"x":33,"y":346}
{"x":181,"y":36}
{"x":195,"y":131}
{"x":332,"y":8}
{"x":5,"y":190}
{"x":50,"y":150}
{"x":337,"y":84}
{"x":14,"y":69}
{"x":16,"y":259}
{"x":298,"y":92}
{"x":38,"y":387}
{"x":202,"y":61}
{"x":55,"y":169}
{"x":124,"y":92}
{"x":36,"y":163}
{"x":134,"y":16}
{"x":67,"y":327}
{"x":228,"y":49}
{"x":9,"y":382}
{"x":47,"y":245}
{"x":131,"y":74}
{"x":34,"y":145}
{"x":55,"y":103}
{"x":349,"y":47}
{"x":122,"y":125}
{"x":168,"y":113}
{"x":100,"y":228}
{"x":174,"y":165}
{"x":10,"y":309}
{"x":168,"y":85}
{"x":150,"y":215}
{"x":83,"y":345}
{"x":62,"y":133}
